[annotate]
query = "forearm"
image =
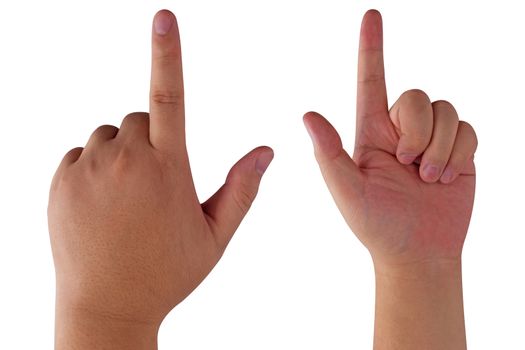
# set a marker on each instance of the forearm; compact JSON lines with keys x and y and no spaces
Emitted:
{"x":79,"y":329}
{"x":419,"y":307}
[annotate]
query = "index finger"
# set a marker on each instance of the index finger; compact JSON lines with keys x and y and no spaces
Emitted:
{"x":371,"y":89}
{"x":166,"y":89}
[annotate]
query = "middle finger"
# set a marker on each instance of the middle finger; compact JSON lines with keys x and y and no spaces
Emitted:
{"x":438,"y":151}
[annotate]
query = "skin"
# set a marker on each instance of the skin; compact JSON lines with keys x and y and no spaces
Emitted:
{"x":130,"y":239}
{"x":407,"y":193}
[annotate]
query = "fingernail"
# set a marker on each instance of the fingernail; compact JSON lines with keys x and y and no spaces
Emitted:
{"x":407,"y":158}
{"x":163,"y":22}
{"x":262,"y":162}
{"x":447,"y":176}
{"x":430,"y":171}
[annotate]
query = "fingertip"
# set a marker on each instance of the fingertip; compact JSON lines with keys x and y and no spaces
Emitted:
{"x":372,"y":16}
{"x":257,"y":159}
{"x":263,"y":149}
{"x":372,"y":30}
{"x":163,"y":21}
{"x":164,"y":12}
{"x":326,"y":140}
{"x":264,"y":159}
{"x":309,"y":120}
{"x":308,"y":116}
{"x":373,"y":13}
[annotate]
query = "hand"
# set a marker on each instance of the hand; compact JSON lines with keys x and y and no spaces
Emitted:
{"x":130,"y":239}
{"x":407,"y":194}
{"x":401,"y":210}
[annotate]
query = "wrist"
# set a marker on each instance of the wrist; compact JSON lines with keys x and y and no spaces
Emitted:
{"x":81,"y":328}
{"x":428,"y":270}
{"x":419,"y":305}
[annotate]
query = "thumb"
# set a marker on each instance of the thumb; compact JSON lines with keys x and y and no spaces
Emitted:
{"x":228,"y":206}
{"x":342,"y":176}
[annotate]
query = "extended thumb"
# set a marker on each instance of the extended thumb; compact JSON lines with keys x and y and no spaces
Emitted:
{"x":342,"y":176}
{"x":228,"y":206}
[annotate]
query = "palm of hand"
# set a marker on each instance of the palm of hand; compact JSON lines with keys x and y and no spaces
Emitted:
{"x":403,"y":216}
{"x":400,"y":212}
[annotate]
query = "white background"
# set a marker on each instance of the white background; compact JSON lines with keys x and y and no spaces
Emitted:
{"x":294,"y":276}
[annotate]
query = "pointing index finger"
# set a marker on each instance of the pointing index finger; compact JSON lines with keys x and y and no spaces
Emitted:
{"x":371,"y":89}
{"x":166,"y":89}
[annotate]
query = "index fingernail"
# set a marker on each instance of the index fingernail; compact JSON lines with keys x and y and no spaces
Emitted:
{"x":163,"y":22}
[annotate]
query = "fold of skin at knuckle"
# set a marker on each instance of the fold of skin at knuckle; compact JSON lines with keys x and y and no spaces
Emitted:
{"x":372,"y":77}
{"x":167,"y":96}
{"x":243,"y":199}
{"x":242,"y":192}
{"x":166,"y":56}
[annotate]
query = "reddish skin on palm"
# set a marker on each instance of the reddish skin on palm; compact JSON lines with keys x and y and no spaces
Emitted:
{"x":412,"y":221}
{"x":398,"y":214}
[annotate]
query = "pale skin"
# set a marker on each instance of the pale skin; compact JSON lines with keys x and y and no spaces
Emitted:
{"x":130,"y":239}
{"x":412,"y":221}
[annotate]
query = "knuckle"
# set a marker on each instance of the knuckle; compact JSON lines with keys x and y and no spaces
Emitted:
{"x":415,"y":105}
{"x":443,"y":104}
{"x":372,"y":77}
{"x":166,"y":56}
{"x":123,"y":163}
{"x":72,"y":155}
{"x":167,"y":96}
{"x":135,"y":119}
{"x":104,"y":130}
{"x":469,"y":130}
{"x":444,"y":109}
{"x":62,"y":182}
{"x":417,"y":96}
{"x":243,"y":198}
{"x":467,"y":127}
